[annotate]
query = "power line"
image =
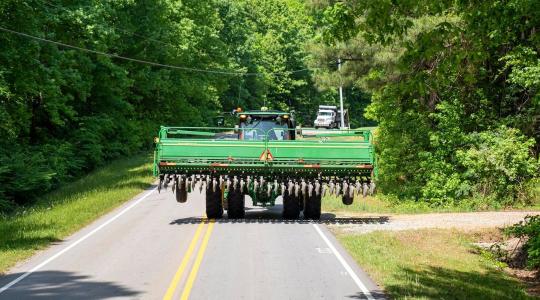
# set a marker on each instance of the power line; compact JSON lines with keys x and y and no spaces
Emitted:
{"x":151,"y":63}
{"x":174,"y":46}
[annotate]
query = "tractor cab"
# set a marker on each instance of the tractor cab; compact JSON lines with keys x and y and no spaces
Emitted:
{"x":258,"y":124}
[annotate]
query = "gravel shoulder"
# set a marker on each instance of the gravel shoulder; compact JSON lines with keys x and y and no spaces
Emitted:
{"x":466,"y":221}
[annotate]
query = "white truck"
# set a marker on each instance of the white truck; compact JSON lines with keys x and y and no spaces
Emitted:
{"x":329,"y":116}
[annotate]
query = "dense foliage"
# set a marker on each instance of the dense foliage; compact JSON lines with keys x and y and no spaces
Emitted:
{"x":530,"y":230}
{"x":455,"y":89}
{"x":453,"y":85}
{"x":65,"y":111}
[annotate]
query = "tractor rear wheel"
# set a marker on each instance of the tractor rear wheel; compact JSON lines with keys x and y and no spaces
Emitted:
{"x":214,"y":209}
{"x":291,"y":206}
{"x":236,"y":204}
{"x":313,"y":207}
{"x":346,"y":198}
{"x":181,"y":192}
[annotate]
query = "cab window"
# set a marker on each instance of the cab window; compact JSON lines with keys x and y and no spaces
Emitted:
{"x":257,"y":129}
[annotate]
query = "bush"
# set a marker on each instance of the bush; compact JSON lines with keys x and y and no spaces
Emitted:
{"x":529,"y":228}
{"x":499,"y":163}
{"x":492,"y":167}
{"x":25,"y":173}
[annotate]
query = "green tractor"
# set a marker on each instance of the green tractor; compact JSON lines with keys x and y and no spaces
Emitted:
{"x":264,"y":156}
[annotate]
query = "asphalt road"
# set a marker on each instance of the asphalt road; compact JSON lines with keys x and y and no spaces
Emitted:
{"x":155,"y":248}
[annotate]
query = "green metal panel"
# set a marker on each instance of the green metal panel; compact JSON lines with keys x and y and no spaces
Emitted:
{"x":179,"y":148}
{"x":321,"y":151}
{"x":308,"y":157}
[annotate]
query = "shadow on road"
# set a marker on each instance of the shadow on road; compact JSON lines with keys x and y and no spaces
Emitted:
{"x":258,"y":219}
{"x":378,"y":295}
{"x":273,"y":214}
{"x":62,"y":285}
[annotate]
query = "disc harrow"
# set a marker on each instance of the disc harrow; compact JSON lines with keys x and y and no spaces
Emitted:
{"x":265,"y":157}
{"x":265,"y":190}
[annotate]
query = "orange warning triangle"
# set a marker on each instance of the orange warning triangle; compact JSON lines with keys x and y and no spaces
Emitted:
{"x":263,"y":156}
{"x":266,"y":155}
{"x":269,"y":155}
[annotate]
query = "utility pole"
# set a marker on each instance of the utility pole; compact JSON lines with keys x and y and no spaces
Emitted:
{"x":341,"y":95}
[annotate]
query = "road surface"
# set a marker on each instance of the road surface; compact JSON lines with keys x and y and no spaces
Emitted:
{"x":155,"y":248}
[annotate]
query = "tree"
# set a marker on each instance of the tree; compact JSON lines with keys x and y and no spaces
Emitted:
{"x":65,"y":111}
{"x":456,"y":71}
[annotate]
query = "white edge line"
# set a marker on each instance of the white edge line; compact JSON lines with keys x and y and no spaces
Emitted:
{"x":347,"y":267}
{"x":41,"y":265}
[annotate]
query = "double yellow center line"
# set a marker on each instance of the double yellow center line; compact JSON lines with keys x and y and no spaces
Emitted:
{"x":187,"y":258}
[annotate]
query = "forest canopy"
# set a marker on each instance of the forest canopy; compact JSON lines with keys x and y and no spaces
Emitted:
{"x":454,"y":88}
{"x":451,"y":85}
{"x":65,"y":111}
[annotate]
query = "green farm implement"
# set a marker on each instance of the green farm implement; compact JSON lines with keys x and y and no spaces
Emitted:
{"x":265,"y":156}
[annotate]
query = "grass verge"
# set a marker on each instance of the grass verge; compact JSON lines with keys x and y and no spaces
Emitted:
{"x":431,"y":264}
{"x":380,"y":205}
{"x":69,"y":208}
{"x":377,"y":205}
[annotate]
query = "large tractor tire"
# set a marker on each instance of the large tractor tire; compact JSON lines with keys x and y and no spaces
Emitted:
{"x":214,"y":209}
{"x":291,"y":206}
{"x":236,"y":204}
{"x":312,"y":210}
{"x":180,"y":190}
{"x":346,"y":197}
{"x":347,"y":200}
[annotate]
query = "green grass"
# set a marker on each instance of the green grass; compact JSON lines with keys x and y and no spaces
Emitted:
{"x":71,"y":207}
{"x":536,"y":194}
{"x":431,"y":264}
{"x":381,"y":205}
{"x":369,"y":205}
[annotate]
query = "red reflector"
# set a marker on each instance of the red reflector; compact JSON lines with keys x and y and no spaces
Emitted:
{"x":166,"y":164}
{"x":219,"y":165}
{"x":364,"y":166}
{"x":312,"y":166}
